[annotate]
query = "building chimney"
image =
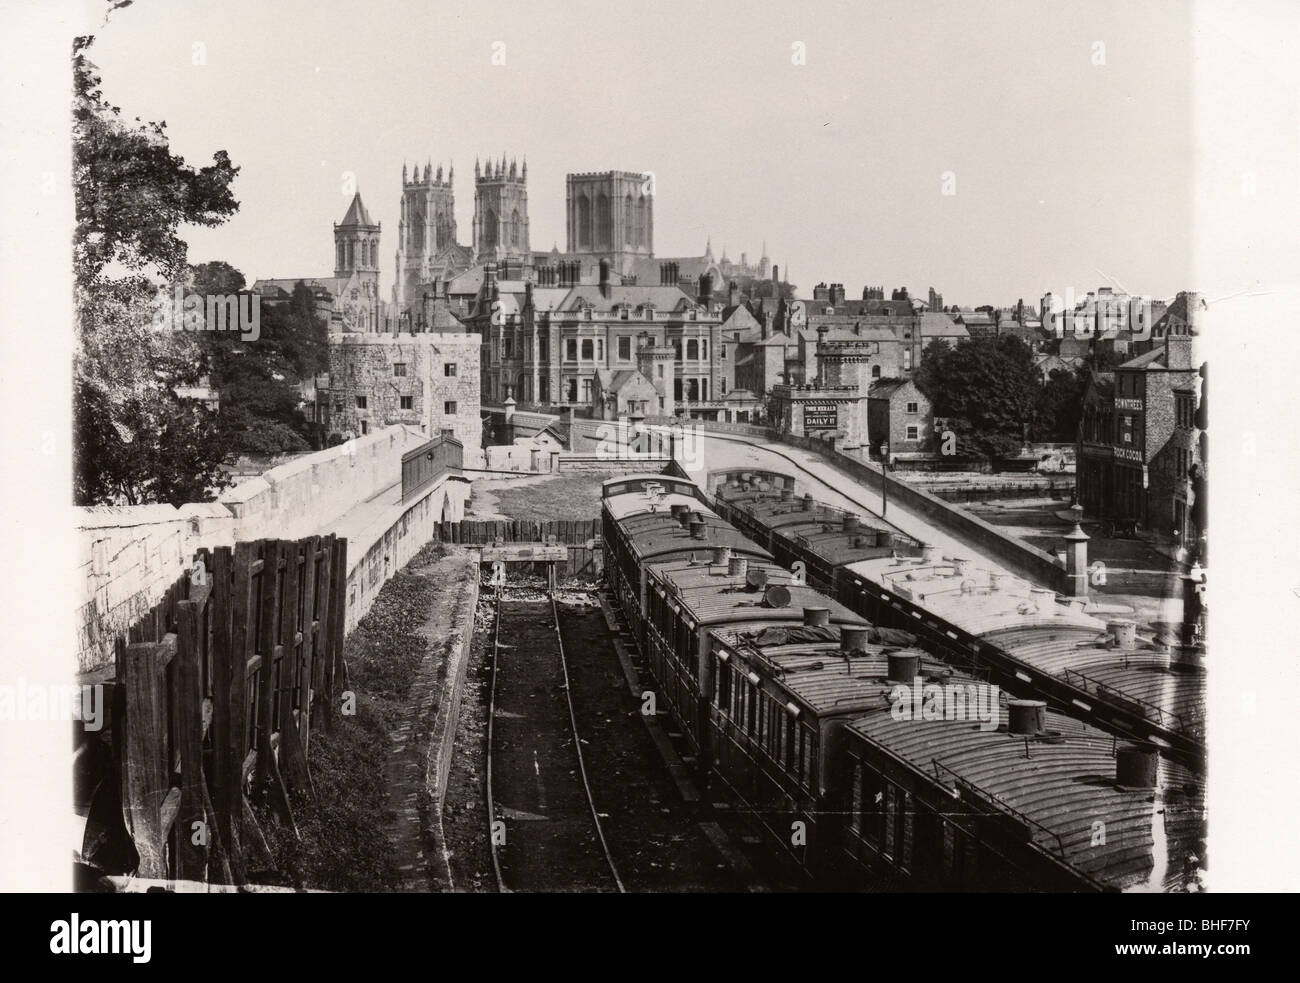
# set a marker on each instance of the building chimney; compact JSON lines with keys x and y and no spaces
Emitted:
{"x":851,"y":522}
{"x":706,"y":289}
{"x":808,"y":502}
{"x":737,"y":566}
{"x":733,"y":294}
{"x":1026,"y":717}
{"x":490,"y":281}
{"x":721,"y":554}
{"x":697,"y":528}
{"x":765,"y":330}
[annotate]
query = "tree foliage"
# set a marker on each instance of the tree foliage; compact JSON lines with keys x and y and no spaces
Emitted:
{"x":135,"y":439}
{"x":986,"y":388}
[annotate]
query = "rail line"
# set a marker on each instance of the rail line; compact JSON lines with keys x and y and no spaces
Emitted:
{"x":542,"y":851}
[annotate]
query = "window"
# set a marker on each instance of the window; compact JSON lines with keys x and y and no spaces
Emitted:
{"x":449,"y":369}
{"x":543,"y":348}
{"x":571,"y":390}
{"x":352,"y":370}
{"x":913,"y":408}
{"x":408,"y":402}
{"x":875,"y":371}
{"x":365,"y":427}
{"x":571,"y":349}
{"x":624,"y":349}
{"x":586,"y":390}
{"x":722,"y":386}
{"x":587,"y":349}
{"x":361,"y":402}
{"x":907,"y":358}
{"x":449,"y":407}
{"x":913,"y":432}
{"x":600,"y":349}
{"x":724,"y":352}
{"x":399,"y":369}
{"x":661,"y":375}
{"x":704,"y":349}
{"x":693,"y":350}
{"x":510,"y":347}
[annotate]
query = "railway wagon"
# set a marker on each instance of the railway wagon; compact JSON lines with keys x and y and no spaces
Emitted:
{"x":652,"y":518}
{"x":1136,"y":685}
{"x":686,"y":600}
{"x":980,"y":617}
{"x":1043,"y":803}
{"x":817,"y":537}
{"x":782,"y":696}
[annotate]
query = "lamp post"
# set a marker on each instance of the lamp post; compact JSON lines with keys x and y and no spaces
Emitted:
{"x":884,"y":478}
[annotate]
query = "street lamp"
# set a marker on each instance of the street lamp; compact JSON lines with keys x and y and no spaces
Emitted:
{"x":884,"y":478}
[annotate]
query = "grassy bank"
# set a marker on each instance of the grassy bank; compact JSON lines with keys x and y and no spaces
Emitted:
{"x":342,"y":844}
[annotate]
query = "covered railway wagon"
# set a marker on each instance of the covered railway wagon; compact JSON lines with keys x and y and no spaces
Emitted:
{"x":1044,"y":802}
{"x":982,"y":618}
{"x":798,"y":706}
{"x":817,"y":537}
{"x":656,"y":518}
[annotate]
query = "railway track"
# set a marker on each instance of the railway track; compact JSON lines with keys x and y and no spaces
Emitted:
{"x":543,"y":825}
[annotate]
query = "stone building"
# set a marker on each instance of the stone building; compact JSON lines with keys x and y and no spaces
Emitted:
{"x":543,"y":344}
{"x":501,"y":212}
{"x":349,"y":300}
{"x":898,"y":414}
{"x":428,"y":380}
{"x":610,"y":215}
{"x":427,"y":250}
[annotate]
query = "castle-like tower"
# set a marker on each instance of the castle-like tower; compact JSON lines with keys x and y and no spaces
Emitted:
{"x":611,"y":216}
{"x":500,"y":211}
{"x":356,"y":247}
{"x":426,"y":228}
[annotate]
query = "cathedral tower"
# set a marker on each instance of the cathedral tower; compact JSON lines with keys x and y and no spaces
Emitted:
{"x":611,"y":216}
{"x":356,"y":246}
{"x":427,"y":227}
{"x":501,"y":212}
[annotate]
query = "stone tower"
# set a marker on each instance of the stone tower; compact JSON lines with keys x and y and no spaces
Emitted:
{"x":500,"y":212}
{"x":611,"y":216}
{"x":658,"y":363}
{"x":427,"y":226}
{"x":356,"y":246}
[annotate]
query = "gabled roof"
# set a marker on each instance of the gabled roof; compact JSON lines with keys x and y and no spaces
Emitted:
{"x":885,"y":388}
{"x":1153,"y":359}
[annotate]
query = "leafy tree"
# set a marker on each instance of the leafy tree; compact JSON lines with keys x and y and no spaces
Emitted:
{"x":1059,"y":406}
{"x":986,"y":387}
{"x":136,"y":439}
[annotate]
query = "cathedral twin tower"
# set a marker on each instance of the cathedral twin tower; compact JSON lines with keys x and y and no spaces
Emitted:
{"x":610,"y":215}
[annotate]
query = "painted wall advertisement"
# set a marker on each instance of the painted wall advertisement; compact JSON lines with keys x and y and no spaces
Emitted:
{"x":819,"y":416}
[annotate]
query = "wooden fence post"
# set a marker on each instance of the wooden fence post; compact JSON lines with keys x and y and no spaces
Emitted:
{"x":145,"y":768}
{"x":191,"y":859}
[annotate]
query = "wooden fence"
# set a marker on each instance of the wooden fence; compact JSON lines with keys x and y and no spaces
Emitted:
{"x":213,"y":697}
{"x":582,"y":536}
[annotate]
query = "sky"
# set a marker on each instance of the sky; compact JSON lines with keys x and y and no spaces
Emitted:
{"x":1066,"y":132}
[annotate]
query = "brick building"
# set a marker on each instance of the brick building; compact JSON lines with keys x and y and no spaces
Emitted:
{"x":427,"y":380}
{"x":1141,"y":450}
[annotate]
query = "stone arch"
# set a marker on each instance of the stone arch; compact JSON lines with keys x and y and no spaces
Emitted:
{"x":629,"y":221}
{"x":515,"y":225}
{"x":490,"y":228}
